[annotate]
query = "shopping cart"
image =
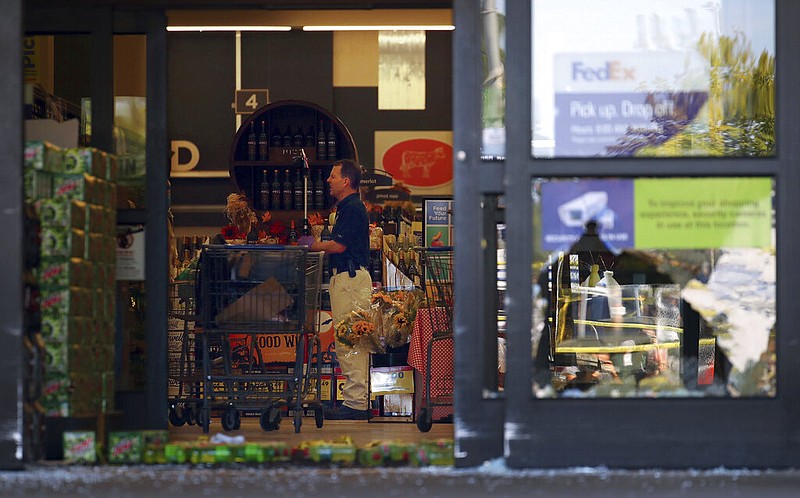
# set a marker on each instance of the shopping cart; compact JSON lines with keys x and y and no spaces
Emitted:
{"x":437,"y":280}
{"x":184,"y":373}
{"x":245,"y":292}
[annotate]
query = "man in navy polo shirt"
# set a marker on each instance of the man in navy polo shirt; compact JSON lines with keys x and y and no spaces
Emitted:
{"x":351,"y":284}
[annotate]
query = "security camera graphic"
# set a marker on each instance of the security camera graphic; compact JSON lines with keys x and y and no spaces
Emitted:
{"x":589,"y":206}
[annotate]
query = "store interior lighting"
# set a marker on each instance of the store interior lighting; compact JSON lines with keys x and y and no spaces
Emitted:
{"x":387,"y":27}
{"x":229,"y":28}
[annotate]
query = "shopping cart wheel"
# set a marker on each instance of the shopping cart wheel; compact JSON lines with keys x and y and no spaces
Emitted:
{"x":270,"y":419}
{"x":203,"y":418}
{"x":176,"y":418}
{"x":189,"y":415}
{"x":319,"y":417}
{"x":425,"y":419}
{"x":230,"y":419}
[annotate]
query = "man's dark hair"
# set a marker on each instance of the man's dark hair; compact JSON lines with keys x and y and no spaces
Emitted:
{"x":351,"y":171}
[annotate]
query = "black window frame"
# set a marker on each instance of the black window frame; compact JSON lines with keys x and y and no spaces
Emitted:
{"x":620,"y":433}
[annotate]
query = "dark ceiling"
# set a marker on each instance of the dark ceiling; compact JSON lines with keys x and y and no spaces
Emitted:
{"x":249,"y":4}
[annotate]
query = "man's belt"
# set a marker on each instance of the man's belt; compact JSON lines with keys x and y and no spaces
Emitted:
{"x":350,"y":269}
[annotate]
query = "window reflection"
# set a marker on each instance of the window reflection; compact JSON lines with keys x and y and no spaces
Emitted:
{"x":493,"y":88}
{"x":646,"y":289}
{"x":660,"y":78}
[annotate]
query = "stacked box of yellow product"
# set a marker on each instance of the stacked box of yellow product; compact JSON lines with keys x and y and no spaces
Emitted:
{"x":74,"y":193}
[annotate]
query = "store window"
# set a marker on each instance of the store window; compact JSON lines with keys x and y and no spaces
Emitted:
{"x":654,"y":287}
{"x":663,"y":78}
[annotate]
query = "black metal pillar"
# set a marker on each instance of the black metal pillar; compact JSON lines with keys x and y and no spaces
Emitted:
{"x":156,"y":236}
{"x":11,"y":305}
{"x":478,"y":416}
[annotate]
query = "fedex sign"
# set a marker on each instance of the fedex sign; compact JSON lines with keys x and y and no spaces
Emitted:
{"x":610,"y":71}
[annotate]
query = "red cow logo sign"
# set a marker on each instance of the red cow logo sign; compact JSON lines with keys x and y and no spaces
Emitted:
{"x":420,"y":162}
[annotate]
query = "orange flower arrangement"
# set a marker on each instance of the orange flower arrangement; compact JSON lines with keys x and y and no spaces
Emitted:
{"x":355,"y":330}
{"x":315,"y":219}
{"x":398,"y":312}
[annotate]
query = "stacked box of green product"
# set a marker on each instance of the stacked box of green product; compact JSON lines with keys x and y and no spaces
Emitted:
{"x":137,"y":447}
{"x":385,"y":453}
{"x":74,"y":194}
{"x":152,"y":447}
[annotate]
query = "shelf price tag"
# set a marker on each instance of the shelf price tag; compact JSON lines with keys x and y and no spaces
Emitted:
{"x":247,"y":101}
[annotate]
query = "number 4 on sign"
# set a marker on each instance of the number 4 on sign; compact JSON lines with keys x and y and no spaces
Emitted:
{"x":247,"y":101}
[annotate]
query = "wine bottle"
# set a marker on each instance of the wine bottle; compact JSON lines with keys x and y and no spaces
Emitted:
{"x":377,"y":266}
{"x":331,"y":148}
{"x":264,"y":192}
{"x":390,"y":223}
{"x":251,"y":143}
{"x":413,"y":269}
{"x":292,"y":234}
{"x":326,"y":232}
{"x":298,"y":139}
{"x":286,"y":141}
{"x":263,"y":143}
{"x":187,"y":259}
{"x":401,"y":263}
{"x":319,"y":192}
{"x":322,"y":143}
{"x":276,"y":139}
{"x":306,"y":227}
{"x":198,"y":246}
{"x":309,"y":140}
{"x":275,"y":192}
{"x":298,"y":190}
{"x":286,"y":193}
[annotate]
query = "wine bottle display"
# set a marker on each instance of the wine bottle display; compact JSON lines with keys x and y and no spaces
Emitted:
{"x":264,"y":192}
{"x":286,"y":193}
{"x":251,"y":143}
{"x":298,"y":139}
{"x":286,"y":141}
{"x":292,"y":234}
{"x":297,"y":190}
{"x":309,"y":140}
{"x":322,"y":143}
{"x":275,"y":192}
{"x":319,"y":192}
{"x":276,"y":139}
{"x":331,"y":149}
{"x":263,"y":143}
{"x":326,"y":232}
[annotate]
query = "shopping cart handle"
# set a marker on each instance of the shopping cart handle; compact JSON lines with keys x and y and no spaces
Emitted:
{"x":436,"y":248}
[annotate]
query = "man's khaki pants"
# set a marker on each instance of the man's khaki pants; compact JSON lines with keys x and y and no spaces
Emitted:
{"x":350,"y":294}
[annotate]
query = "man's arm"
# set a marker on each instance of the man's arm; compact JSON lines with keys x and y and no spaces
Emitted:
{"x":329,"y":246}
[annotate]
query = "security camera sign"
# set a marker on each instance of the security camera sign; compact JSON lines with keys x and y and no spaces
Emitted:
{"x":568,"y":206}
{"x":659,"y":213}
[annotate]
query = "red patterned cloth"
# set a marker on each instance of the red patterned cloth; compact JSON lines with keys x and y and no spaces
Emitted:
{"x":441,"y":375}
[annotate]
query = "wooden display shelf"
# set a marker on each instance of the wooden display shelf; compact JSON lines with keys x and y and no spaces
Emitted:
{"x":287,"y":115}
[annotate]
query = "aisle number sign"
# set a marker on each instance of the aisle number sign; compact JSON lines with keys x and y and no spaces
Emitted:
{"x":248,"y":100}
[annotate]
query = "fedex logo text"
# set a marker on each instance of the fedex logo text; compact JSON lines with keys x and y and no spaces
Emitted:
{"x":611,"y":71}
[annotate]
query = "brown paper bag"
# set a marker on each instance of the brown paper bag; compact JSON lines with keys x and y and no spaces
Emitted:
{"x":261,"y":304}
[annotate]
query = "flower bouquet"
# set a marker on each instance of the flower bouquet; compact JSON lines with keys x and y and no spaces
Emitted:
{"x":357,"y":331}
{"x":396,"y":311}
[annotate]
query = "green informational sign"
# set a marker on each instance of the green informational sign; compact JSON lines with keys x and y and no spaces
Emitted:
{"x":697,"y":213}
